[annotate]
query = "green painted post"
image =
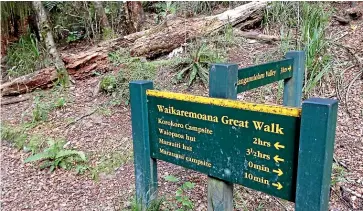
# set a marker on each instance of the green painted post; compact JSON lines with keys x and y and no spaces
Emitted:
{"x":145,"y":166}
{"x":316,"y":148}
{"x":293,"y":86}
{"x":222,"y":84}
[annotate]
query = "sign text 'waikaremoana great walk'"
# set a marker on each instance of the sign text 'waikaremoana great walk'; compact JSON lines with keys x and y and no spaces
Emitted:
{"x":243,"y":143}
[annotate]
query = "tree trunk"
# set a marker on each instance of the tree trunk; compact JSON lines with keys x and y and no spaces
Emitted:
{"x":149,"y":43}
{"x":105,"y":24}
{"x":47,"y":36}
{"x":134,"y":16}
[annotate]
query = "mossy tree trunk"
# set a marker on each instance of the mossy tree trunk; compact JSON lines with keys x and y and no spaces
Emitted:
{"x":47,"y":36}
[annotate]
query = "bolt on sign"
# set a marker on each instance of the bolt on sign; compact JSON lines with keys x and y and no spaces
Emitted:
{"x":250,"y":144}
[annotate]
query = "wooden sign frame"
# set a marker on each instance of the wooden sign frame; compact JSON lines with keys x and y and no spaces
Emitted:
{"x":316,"y":140}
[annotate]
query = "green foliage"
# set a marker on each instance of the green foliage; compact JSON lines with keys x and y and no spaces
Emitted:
{"x":163,"y":9}
{"x":171,"y":178}
{"x":35,"y":144}
{"x":315,"y":20}
{"x":283,"y":12}
{"x":135,"y":68}
{"x":338,"y":174}
{"x":228,"y":33}
{"x":56,"y":156}
{"x":40,"y":110}
{"x":181,"y":194}
{"x":108,"y":83}
{"x":199,"y":60}
{"x":20,"y":139}
{"x":62,"y":78}
{"x":154,"y":205}
{"x":24,"y":56}
{"x":60,"y":102}
{"x":43,"y":105}
{"x":108,"y":33}
{"x":79,"y":20}
{"x":309,"y":20}
{"x":14,"y":135}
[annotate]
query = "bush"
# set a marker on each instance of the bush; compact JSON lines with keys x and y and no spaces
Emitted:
{"x":108,"y":83}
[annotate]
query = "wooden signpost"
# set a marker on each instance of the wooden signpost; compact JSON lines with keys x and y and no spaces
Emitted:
{"x":283,"y":151}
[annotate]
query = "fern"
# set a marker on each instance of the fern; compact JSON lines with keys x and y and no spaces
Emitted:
{"x":56,"y":156}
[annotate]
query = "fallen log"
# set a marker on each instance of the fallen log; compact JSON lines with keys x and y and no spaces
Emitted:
{"x":150,"y":43}
{"x":165,"y":39}
{"x":27,"y":83}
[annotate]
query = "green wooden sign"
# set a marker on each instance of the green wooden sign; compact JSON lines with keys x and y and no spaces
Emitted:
{"x":286,"y":152}
{"x":243,"y":143}
{"x":259,"y":75}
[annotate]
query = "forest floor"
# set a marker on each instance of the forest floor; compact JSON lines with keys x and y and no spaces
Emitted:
{"x":104,"y":134}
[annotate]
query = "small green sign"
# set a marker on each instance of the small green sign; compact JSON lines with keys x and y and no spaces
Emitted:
{"x":259,"y":75}
{"x":244,"y":143}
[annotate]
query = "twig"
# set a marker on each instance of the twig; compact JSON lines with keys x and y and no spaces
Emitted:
{"x":347,"y":93}
{"x":79,"y":118}
{"x":352,"y":192}
{"x":343,"y":35}
{"x":14,"y":100}
{"x":340,"y":163}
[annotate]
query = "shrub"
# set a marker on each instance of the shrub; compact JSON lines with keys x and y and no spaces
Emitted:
{"x":108,"y":83}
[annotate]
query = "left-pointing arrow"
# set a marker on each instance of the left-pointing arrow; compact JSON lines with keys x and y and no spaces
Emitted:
{"x":278,"y":172}
{"x":278,"y":159}
{"x":278,"y":146}
{"x":277,"y":185}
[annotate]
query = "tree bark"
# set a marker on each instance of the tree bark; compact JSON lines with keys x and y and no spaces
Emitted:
{"x":47,"y":36}
{"x":134,"y":16}
{"x":105,"y":24}
{"x":149,"y":43}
